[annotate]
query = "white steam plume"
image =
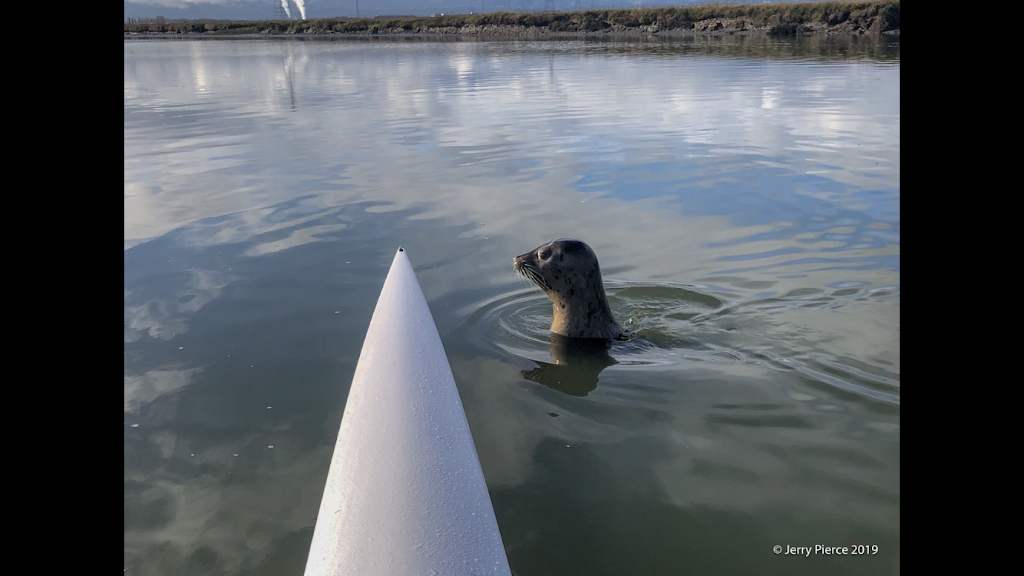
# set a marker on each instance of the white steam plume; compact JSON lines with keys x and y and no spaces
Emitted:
{"x":284,"y":4}
{"x":302,"y":8}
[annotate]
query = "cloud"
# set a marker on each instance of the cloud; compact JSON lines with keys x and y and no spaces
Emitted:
{"x":164,"y":316}
{"x":143,"y":389}
{"x":482,"y":127}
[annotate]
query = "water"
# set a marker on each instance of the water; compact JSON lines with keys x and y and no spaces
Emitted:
{"x":742,"y":195}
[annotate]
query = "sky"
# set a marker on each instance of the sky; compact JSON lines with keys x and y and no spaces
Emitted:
{"x":265,"y":9}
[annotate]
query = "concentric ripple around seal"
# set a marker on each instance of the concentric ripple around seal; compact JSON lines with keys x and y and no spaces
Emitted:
{"x":658,"y":318}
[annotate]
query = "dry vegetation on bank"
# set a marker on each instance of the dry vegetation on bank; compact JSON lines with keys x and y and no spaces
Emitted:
{"x":784,"y":19}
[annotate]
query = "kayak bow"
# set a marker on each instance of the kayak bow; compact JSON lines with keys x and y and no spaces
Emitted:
{"x":405,"y":493}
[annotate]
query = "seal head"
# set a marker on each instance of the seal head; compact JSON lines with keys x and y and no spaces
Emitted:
{"x":567,"y":271}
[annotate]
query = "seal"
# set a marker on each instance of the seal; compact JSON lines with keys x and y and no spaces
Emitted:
{"x":568,"y":272}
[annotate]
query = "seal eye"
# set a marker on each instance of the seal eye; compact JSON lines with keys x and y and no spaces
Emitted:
{"x":544,"y":254}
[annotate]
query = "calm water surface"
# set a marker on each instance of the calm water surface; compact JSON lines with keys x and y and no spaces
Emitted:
{"x":743,"y":196}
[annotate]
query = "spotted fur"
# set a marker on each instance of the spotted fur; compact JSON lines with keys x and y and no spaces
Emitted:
{"x":568,"y":272}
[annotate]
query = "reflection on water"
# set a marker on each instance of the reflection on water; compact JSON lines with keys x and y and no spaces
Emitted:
{"x":577,"y":363}
{"x":742,"y":195}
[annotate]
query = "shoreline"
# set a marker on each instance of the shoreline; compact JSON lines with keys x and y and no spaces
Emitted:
{"x":874,"y":18}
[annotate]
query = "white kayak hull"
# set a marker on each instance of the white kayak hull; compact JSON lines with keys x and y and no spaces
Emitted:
{"x":405,"y":493}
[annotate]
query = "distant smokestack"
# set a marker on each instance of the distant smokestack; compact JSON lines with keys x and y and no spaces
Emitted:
{"x":284,"y":4}
{"x":302,"y":8}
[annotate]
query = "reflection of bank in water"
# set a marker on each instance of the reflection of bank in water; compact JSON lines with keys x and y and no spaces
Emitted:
{"x":289,"y":72}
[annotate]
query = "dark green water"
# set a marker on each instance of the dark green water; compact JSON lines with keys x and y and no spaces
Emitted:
{"x":743,"y":196}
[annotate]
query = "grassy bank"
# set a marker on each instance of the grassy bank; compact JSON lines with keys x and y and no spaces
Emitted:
{"x":782,"y":19}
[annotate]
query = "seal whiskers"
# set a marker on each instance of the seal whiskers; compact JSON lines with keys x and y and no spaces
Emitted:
{"x":530,"y":274}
